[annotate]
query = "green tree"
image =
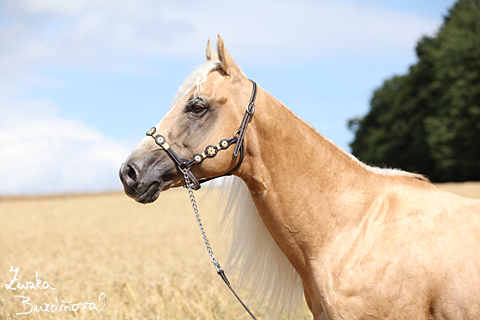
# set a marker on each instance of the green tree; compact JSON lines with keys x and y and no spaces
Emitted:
{"x":428,"y":121}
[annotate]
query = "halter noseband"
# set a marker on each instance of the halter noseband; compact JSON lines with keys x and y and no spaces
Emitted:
{"x":212,"y":150}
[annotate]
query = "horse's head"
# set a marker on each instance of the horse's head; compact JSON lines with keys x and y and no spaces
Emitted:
{"x":207,"y":109}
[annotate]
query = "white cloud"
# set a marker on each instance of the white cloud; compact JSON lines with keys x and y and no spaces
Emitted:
{"x":43,"y":153}
{"x":282,"y":30}
{"x":99,"y":33}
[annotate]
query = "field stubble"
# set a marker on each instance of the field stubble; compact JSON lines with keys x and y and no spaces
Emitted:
{"x":150,"y":261}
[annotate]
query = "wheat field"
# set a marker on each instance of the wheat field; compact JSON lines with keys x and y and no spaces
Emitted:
{"x":148,"y":261}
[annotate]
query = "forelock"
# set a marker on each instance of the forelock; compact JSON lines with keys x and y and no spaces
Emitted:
{"x":195,"y":80}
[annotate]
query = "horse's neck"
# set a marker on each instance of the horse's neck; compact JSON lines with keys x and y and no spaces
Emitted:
{"x":302,"y":184}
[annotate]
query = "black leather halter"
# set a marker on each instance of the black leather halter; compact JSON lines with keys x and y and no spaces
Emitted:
{"x":212,"y":150}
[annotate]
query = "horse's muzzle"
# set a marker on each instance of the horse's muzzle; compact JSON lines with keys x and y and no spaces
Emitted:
{"x":144,"y":179}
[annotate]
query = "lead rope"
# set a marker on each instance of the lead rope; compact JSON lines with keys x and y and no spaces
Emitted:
{"x":219,"y":269}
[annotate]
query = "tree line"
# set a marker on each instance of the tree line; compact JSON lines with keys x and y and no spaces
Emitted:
{"x":428,"y":120}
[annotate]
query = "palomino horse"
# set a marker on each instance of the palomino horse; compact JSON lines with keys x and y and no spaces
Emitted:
{"x":359,"y":242}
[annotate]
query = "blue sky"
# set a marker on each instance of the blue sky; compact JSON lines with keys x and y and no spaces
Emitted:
{"x":82,"y":81}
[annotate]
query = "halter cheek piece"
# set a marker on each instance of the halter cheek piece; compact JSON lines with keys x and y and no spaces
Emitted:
{"x":212,"y":150}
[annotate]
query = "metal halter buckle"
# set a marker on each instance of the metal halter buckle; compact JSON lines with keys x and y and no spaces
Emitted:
{"x":251,"y":108}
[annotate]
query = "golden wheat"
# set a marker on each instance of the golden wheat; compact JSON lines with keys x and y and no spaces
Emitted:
{"x":149,"y":261}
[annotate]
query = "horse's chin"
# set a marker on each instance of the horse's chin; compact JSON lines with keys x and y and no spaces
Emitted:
{"x":151,"y":193}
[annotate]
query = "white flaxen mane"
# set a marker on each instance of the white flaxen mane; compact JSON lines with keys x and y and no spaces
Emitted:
{"x":253,"y":254}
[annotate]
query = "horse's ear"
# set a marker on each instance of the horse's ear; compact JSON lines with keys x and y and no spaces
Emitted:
{"x":228,"y":65}
{"x":211,"y":55}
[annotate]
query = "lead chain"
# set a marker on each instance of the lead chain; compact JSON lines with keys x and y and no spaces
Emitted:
{"x":188,"y":185}
{"x":219,"y":269}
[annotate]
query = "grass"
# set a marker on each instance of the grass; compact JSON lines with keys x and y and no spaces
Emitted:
{"x":150,"y":261}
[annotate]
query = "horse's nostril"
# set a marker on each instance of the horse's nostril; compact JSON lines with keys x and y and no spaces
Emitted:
{"x":131,"y":173}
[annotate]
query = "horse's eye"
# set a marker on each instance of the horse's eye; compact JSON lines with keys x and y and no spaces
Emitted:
{"x":197,"y":108}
